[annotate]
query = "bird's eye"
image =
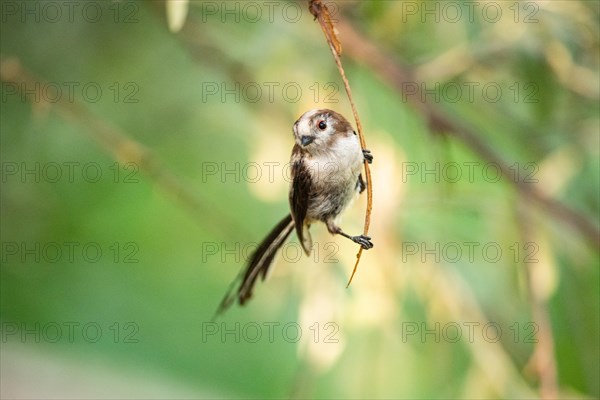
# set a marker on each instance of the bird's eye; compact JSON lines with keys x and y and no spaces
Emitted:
{"x":322,"y":125}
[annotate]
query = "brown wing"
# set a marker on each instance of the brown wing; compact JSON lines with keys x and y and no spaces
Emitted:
{"x":299,"y":198}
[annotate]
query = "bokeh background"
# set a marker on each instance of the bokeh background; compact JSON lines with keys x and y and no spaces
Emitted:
{"x":144,"y":149}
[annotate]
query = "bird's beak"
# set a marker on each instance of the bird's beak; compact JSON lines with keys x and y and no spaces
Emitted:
{"x":306,"y":140}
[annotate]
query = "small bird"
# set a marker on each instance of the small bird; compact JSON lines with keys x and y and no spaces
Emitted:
{"x":326,"y":162}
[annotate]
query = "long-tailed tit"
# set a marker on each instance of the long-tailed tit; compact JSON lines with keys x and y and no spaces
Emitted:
{"x":326,"y":162}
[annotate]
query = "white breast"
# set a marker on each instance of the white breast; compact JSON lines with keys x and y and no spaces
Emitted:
{"x":343,"y":159}
{"x":338,"y":168}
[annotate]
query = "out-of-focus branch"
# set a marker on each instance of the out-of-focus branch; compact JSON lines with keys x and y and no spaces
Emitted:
{"x":363,"y":51}
{"x":542,"y":362}
{"x":118,"y":144}
{"x":450,"y":298}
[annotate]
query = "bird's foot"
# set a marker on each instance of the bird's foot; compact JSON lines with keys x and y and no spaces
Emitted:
{"x":364,"y":241}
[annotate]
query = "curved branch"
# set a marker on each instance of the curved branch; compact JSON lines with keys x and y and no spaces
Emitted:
{"x":320,"y":12}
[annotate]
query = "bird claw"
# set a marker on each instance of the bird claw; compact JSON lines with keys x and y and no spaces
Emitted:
{"x":364,"y":241}
{"x":368,"y":156}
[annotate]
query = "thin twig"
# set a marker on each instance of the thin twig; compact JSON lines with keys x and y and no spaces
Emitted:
{"x":321,"y":13}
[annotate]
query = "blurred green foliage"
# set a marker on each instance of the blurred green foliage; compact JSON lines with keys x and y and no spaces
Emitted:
{"x":157,"y":90}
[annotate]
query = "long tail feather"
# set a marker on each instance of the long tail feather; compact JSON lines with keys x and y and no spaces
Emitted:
{"x":258,"y":266}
